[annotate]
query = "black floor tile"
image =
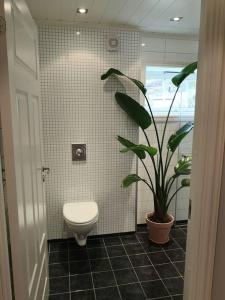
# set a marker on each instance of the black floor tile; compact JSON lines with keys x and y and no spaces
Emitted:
{"x":151,"y":247}
{"x":58,"y":257}
{"x":95,"y":253}
{"x":59,"y":285}
{"x":103,"y":279}
{"x":181,"y":242}
{"x":75,"y":254}
{"x":121,"y":262}
{"x":83,"y":295}
{"x":177,"y":233}
{"x":166,"y":270}
{"x":72,"y":244}
{"x":129,"y":238}
{"x":110,"y":293}
{"x":93,"y":243}
{"x":81,"y":282}
{"x":99,"y":265}
{"x":172,"y":244}
{"x":112,"y":241}
{"x":176,"y":255}
{"x":58,"y":269}
{"x":180,"y":266}
{"x":154,"y":289}
{"x":146,"y":273}
{"x":132,"y":292}
{"x":125,"y":276}
{"x":158,"y":258}
{"x":79,"y":267}
{"x":180,"y":297}
{"x":174,"y":285}
{"x":116,"y":251}
{"x":142,"y":228}
{"x":58,"y":245}
{"x":134,"y":249}
{"x":139,"y":260}
{"x":60,"y":297}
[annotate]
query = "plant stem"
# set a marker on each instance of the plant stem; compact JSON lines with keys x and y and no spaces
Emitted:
{"x":152,"y":186}
{"x":174,"y":196}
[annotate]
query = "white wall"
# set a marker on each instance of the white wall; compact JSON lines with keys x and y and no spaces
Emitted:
{"x":78,"y":107}
{"x":161,"y":51}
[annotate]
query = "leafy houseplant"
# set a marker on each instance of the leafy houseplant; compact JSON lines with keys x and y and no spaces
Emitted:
{"x":160,"y":183}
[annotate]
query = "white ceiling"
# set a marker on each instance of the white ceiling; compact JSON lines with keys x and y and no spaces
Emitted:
{"x":147,"y":15}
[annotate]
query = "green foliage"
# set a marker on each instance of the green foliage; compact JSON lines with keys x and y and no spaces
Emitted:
{"x":159,"y":183}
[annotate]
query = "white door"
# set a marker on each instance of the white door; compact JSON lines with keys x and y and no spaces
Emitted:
{"x":22,"y":143}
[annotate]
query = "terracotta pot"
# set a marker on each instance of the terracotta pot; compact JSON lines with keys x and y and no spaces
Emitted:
{"x":159,"y":232}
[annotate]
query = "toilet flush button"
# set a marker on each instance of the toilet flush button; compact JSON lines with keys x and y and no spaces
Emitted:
{"x":78,"y":152}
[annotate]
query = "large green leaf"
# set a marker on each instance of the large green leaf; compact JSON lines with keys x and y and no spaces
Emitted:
{"x":179,"y":78}
{"x":130,"y":179}
{"x":150,"y":150}
{"x":176,"y":138}
{"x":113,"y":71}
{"x":183,"y":167}
{"x":185,"y":182}
{"x":128,"y":144}
{"x":134,"y":110}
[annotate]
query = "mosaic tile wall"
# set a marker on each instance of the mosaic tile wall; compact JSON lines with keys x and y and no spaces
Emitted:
{"x":78,"y":108}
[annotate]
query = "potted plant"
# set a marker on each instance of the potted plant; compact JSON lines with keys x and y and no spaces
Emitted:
{"x":159,"y":222}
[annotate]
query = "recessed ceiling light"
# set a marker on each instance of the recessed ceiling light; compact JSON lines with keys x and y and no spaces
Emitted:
{"x":82,"y":10}
{"x":176,"y":19}
{"x":78,"y":33}
{"x":143,"y":44}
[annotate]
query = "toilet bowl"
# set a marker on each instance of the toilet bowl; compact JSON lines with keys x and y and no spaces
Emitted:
{"x":80,"y":218}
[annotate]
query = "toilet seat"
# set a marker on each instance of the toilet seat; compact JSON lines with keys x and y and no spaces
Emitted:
{"x":80,"y":212}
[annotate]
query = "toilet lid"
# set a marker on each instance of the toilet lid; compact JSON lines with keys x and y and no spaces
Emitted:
{"x":80,"y":212}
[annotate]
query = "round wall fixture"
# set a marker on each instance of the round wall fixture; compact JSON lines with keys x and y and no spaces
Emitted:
{"x":113,"y":44}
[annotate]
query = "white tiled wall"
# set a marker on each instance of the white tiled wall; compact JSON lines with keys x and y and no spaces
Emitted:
{"x":80,"y":108}
{"x":172,"y":52}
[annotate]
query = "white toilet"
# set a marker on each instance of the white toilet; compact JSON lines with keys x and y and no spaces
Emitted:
{"x":80,"y":218}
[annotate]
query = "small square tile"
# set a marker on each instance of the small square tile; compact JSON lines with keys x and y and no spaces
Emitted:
{"x":58,"y":269}
{"x":139,"y":260}
{"x":180,"y":266}
{"x":166,"y":270}
{"x":99,"y":265}
{"x":112,"y":241}
{"x":93,"y":243}
{"x":83,"y":295}
{"x":75,"y":255}
{"x":81,"y":282}
{"x":134,"y":249}
{"x":125,"y":276}
{"x":146,"y":273}
{"x":58,"y":257}
{"x":176,"y":255}
{"x":103,"y":279}
{"x":116,"y":251}
{"x":174,"y":285}
{"x":95,"y":253}
{"x":110,"y":293}
{"x":58,"y":245}
{"x":129,"y":239}
{"x":59,"y":285}
{"x":79,"y":267}
{"x":154,"y":289}
{"x":65,"y":296}
{"x":121,"y":262}
{"x":158,"y":258}
{"x":132,"y":292}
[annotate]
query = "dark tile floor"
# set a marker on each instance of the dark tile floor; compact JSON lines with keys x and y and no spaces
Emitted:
{"x":123,"y":266}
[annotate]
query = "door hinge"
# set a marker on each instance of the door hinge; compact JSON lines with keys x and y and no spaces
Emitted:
{"x":2,"y":25}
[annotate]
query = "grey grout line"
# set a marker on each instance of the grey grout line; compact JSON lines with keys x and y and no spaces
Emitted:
{"x":172,"y":262}
{"x":91,"y":275}
{"x":134,"y":271}
{"x":112,"y":270}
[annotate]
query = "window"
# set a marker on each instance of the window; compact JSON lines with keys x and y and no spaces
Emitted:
{"x":160,"y":91}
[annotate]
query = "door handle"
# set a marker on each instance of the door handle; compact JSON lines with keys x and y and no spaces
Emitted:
{"x":45,"y":172}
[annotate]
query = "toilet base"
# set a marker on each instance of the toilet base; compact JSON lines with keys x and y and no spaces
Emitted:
{"x":81,"y":239}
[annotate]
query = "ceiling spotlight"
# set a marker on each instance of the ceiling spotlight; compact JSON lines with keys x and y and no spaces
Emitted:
{"x":82,"y":11}
{"x":176,"y":19}
{"x":143,"y":44}
{"x":78,"y":33}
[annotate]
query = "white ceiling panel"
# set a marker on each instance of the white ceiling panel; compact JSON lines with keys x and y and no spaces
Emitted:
{"x":147,"y":15}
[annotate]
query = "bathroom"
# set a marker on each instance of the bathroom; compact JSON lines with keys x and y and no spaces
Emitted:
{"x":86,"y":235}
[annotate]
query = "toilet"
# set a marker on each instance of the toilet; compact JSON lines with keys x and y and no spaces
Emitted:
{"x":80,"y":218}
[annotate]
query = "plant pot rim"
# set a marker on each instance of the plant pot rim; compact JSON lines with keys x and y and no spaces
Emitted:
{"x":157,"y":223}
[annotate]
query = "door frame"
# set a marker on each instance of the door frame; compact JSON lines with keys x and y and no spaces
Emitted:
{"x":208,"y":153}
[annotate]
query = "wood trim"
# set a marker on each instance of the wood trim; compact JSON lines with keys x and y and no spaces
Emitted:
{"x":208,"y":152}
